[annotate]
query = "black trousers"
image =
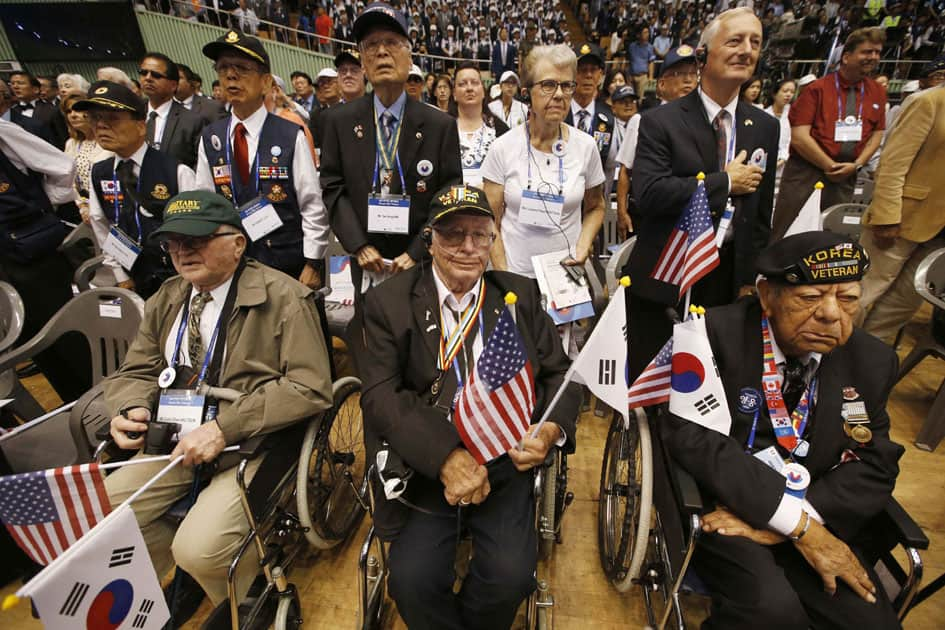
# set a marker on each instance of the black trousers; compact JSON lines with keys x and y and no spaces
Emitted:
{"x":754,"y":586}
{"x":501,"y":573}
{"x":45,"y":285}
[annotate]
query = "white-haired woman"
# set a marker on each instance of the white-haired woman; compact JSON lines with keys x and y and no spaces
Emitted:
{"x":71,"y":83}
{"x":540,"y":175}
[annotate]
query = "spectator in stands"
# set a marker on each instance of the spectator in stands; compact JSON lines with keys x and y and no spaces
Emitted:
{"x":836,"y":125}
{"x":780,"y":108}
{"x":25,"y":88}
{"x":218,"y":94}
{"x":443,"y":92}
{"x":751,"y":92}
{"x":544,"y":179}
{"x":904,"y":220}
{"x":478,"y":127}
{"x":613,"y":80}
{"x":414,"y":86}
{"x":279,"y":16}
{"x":278,"y":103}
{"x":351,"y":80}
{"x":47,"y":90}
{"x":83,"y":149}
{"x":503,"y":55}
{"x":512,"y":111}
{"x":171,"y":128}
{"x":326,"y":88}
{"x":343,"y":28}
{"x":71,"y":82}
{"x":108,"y":73}
{"x":245,"y":18}
{"x":663,"y":42}
{"x":323,"y":28}
{"x":641,"y":55}
{"x":207,"y":109}
{"x":304,"y":90}
{"x":591,"y":114}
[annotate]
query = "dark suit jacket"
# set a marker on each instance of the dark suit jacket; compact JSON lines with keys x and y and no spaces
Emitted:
{"x":676,"y":142}
{"x":846,"y":495}
{"x":181,"y":134}
{"x":47,"y":117}
{"x":603,"y":117}
{"x":347,"y":166}
{"x":511,"y":59}
{"x":404,"y":335}
{"x":34,"y":127}
{"x":207,"y":109}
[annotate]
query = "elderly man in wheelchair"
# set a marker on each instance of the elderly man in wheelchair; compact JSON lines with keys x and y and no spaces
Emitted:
{"x":808,"y":461}
{"x":423,"y":351}
{"x":228,"y":322}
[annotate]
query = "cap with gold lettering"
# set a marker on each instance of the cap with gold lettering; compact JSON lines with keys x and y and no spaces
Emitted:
{"x":813,"y":258}
{"x":197,"y":213}
{"x":114,"y":97}
{"x":239,"y":43}
{"x":459,"y":200}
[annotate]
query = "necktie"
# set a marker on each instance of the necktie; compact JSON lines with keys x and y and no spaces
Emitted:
{"x":847,"y":149}
{"x":387,"y":127}
{"x":718,"y":125}
{"x":582,"y":120}
{"x":152,"y":123}
{"x":195,"y":343}
{"x":241,"y":153}
{"x":128,"y":182}
{"x":794,"y":383}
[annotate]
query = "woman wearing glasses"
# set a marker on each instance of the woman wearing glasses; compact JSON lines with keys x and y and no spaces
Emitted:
{"x":540,"y":175}
{"x":478,"y":127}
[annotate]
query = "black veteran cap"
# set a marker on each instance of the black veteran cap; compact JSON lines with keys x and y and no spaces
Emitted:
{"x":379,"y":14}
{"x":676,"y":56}
{"x":591,"y":53}
{"x":348,"y":54}
{"x":198,"y":213}
{"x":108,"y":95}
{"x":459,"y":200}
{"x":933,"y":66}
{"x":813,"y":258}
{"x":234,"y":41}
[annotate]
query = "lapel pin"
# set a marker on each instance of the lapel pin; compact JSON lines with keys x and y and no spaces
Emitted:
{"x":424,"y":168}
{"x":422,"y":186}
{"x":748,"y":122}
{"x":419,"y":136}
{"x":215,"y":142}
{"x":276,"y":150}
{"x":428,"y":315}
{"x":359,"y":131}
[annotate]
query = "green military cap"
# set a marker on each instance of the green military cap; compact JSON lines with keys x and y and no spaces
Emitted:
{"x":459,"y":200}
{"x":197,"y":213}
{"x":817,"y":257}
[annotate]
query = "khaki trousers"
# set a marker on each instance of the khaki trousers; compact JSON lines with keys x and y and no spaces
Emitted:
{"x":204,"y":543}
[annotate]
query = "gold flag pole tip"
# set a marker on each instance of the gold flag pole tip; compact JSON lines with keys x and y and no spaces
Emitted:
{"x":819,"y":186}
{"x":625,"y":281}
{"x":510,"y":298}
{"x":693,"y":309}
{"x":700,"y":176}
{"x":9,"y":602}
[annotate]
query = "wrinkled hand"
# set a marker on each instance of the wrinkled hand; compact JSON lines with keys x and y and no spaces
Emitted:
{"x":723,"y":522}
{"x":369,"y":258}
{"x":832,"y":559}
{"x":201,"y":445}
{"x":744,"y":178}
{"x":310,"y":277}
{"x":464,"y":479}
{"x":624,"y":225}
{"x":85,"y":214}
{"x":127,"y":284}
{"x":534,"y":450}
{"x":885,"y":235}
{"x":402,"y":263}
{"x":137,"y":421}
{"x":840,"y":171}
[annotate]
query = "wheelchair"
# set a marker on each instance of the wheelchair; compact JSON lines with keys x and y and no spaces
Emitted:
{"x":552,"y":499}
{"x":652,"y":545}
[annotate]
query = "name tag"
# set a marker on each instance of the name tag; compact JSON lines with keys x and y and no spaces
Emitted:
{"x":848,"y":130}
{"x":771,"y":458}
{"x":259,"y":218}
{"x":183,"y":407}
{"x":541,"y":209}
{"x":388,"y":215}
{"x":471,"y":176}
{"x":221,"y":174}
{"x":121,"y":247}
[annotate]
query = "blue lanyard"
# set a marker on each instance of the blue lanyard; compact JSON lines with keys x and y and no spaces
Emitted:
{"x":459,"y":377}
{"x":117,"y":206}
{"x":392,"y":149}
{"x":528,"y":145}
{"x":840,"y":100}
{"x":400,"y":171}
{"x":180,"y":339}
{"x":806,"y":400}
{"x":254,"y":166}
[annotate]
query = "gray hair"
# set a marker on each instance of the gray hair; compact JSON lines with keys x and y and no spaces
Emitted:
{"x":558,"y":55}
{"x":109,"y":73}
{"x":712,"y":28}
{"x":78,"y":81}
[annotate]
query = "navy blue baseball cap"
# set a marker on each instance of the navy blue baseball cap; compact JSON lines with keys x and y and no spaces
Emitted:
{"x":380,"y":14}
{"x":676,"y":56}
{"x":624,"y":91}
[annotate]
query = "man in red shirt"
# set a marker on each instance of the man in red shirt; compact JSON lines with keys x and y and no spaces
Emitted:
{"x":323,"y":27}
{"x":837,"y":124}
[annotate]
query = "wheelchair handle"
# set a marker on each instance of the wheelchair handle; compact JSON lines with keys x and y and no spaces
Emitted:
{"x":672,"y":315}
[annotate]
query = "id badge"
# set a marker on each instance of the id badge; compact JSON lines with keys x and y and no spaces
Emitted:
{"x":388,"y":214}
{"x":771,"y":458}
{"x":471,"y":176}
{"x":259,"y":218}
{"x":183,"y":407}
{"x":848,"y":130}
{"x":725,"y":223}
{"x":541,"y":209}
{"x":121,"y":247}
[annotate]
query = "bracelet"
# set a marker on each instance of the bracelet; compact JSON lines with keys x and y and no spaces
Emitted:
{"x":803,"y":529}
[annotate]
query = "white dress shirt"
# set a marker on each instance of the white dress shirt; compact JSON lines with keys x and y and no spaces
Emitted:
{"x":29,"y":152}
{"x":308,"y":190}
{"x":208,"y":322}
{"x":712,"y":110}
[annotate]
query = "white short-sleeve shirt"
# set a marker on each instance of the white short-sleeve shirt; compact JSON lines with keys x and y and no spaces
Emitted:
{"x":507,"y":164}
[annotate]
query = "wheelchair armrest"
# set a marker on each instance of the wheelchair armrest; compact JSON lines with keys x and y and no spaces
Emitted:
{"x":690,"y":500}
{"x":253,"y":447}
{"x":908,"y":532}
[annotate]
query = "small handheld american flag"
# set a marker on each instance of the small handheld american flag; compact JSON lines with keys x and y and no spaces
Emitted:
{"x":690,"y":253}
{"x":495,"y":407}
{"x":48,"y":510}
{"x":653,"y":385}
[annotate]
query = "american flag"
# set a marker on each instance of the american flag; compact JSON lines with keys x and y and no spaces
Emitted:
{"x":495,"y":407}
{"x":48,"y":510}
{"x":690,"y":253}
{"x":653,"y":385}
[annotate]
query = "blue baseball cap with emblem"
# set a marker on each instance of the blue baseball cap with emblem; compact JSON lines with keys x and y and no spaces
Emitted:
{"x":676,"y":56}
{"x":379,"y":15}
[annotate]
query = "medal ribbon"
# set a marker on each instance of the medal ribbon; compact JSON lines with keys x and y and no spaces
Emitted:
{"x":449,"y":348}
{"x":787,"y":429}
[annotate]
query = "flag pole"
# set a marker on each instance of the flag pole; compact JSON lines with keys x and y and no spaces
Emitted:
{"x":148,"y":460}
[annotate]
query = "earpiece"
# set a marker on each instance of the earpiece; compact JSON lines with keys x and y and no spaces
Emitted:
{"x":702,"y":53}
{"x":426,"y":235}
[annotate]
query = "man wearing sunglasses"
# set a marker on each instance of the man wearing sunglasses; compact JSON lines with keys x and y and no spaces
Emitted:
{"x":171,"y":127}
{"x":228,"y":322}
{"x":130,"y":190}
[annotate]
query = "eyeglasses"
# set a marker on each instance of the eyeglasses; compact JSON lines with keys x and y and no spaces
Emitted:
{"x":108,"y":117}
{"x":683,"y":74}
{"x":193,"y":243}
{"x":414,"y":79}
{"x":240,"y":69}
{"x":550,"y":86}
{"x":456,"y":237}
{"x":350,"y":69}
{"x":390,"y":44}
{"x":144,"y":72}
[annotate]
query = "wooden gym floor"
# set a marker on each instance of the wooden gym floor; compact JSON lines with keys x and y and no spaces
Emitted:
{"x":327,"y":581}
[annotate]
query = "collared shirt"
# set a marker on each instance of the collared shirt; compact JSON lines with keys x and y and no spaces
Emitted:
{"x":208,"y":322}
{"x":641,"y":56}
{"x":188,"y":102}
{"x":28,"y":152}
{"x":307,"y":103}
{"x":448,"y":304}
{"x":712,"y":110}
{"x":28,"y":107}
{"x":577,"y":109}
{"x":308,"y":189}
{"x":811,"y":360}
{"x":160,"y":122}
{"x":396,"y":108}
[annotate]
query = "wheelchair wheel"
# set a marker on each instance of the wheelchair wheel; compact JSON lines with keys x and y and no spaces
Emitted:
{"x":657,"y":581}
{"x":626,"y":494}
{"x":331,"y":461}
{"x":372,"y":565}
{"x":288,"y":614}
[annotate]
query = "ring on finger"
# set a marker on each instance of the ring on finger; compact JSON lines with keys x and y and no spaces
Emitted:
{"x":464,"y":501}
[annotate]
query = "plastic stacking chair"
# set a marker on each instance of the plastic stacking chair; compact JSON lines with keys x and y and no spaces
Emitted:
{"x":617,"y":262}
{"x":11,"y":327}
{"x":930,"y":284}
{"x":845,"y":218}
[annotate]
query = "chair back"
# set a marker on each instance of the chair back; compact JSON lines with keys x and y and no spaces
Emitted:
{"x":844,"y":218}
{"x":11,"y":316}
{"x":617,"y":262}
{"x":863,"y":191}
{"x":930,"y":278}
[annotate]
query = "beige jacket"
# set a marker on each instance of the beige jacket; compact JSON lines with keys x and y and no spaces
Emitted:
{"x":275,"y":354}
{"x":910,"y":181}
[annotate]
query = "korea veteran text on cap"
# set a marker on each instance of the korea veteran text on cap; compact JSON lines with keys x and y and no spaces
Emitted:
{"x":813,"y":258}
